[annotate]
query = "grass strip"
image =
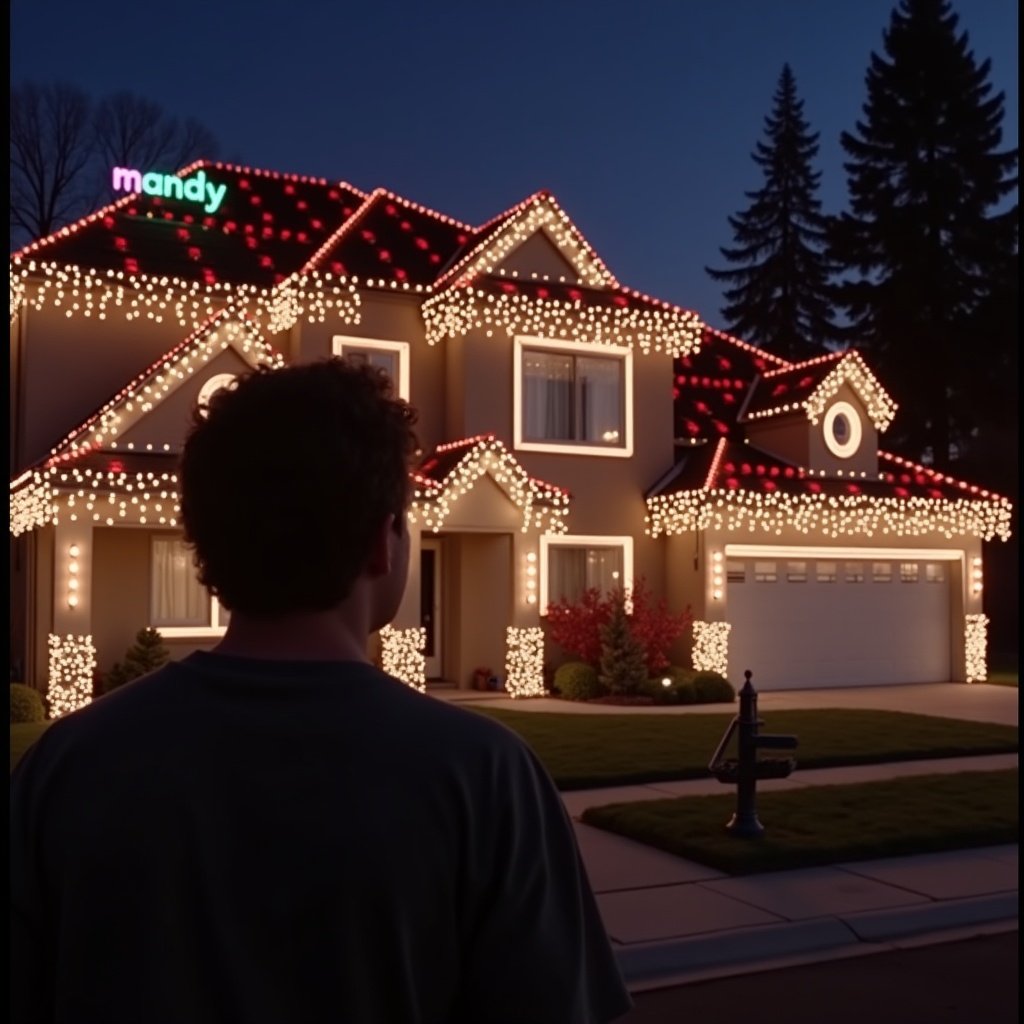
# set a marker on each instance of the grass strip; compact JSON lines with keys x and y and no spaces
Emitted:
{"x":587,"y":751}
{"x":819,"y":825}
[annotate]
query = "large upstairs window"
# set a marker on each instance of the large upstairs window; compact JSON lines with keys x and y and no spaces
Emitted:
{"x":573,"y":397}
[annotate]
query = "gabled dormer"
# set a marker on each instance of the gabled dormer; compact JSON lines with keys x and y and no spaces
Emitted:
{"x":824,"y":415}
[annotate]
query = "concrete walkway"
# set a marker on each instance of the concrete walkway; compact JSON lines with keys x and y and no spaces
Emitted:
{"x":673,"y":921}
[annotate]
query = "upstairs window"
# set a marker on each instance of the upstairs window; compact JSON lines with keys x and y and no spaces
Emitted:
{"x":390,"y":356}
{"x":573,"y":397}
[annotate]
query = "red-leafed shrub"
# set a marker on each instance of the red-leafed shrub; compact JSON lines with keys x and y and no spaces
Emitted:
{"x":576,"y":626}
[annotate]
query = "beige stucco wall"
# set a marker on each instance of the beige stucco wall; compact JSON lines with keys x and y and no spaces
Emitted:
{"x":71,"y":366}
{"x":792,"y":437}
{"x":538,"y":257}
{"x":390,"y":317}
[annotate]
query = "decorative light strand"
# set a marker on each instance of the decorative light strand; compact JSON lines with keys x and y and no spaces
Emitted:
{"x":456,"y":312}
{"x":539,"y":212}
{"x":72,"y":664}
{"x":524,"y":661}
{"x":829,"y":515}
{"x":402,"y":655}
{"x":711,"y":646}
{"x":542,"y":505}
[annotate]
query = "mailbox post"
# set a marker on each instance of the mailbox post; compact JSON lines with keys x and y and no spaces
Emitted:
{"x":747,"y":768}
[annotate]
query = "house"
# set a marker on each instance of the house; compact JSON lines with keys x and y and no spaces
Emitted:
{"x":574,"y":432}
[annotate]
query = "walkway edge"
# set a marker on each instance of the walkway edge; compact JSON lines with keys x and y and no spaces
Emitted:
{"x":689,"y":958}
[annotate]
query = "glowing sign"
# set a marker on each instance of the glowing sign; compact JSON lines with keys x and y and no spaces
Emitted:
{"x":195,"y":189}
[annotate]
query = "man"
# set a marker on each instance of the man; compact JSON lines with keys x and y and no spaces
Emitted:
{"x":274,"y":830}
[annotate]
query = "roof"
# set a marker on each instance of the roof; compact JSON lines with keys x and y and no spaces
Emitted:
{"x":807,"y":386}
{"x":452,"y":468}
{"x":730,"y":485}
{"x":711,"y":384}
{"x":267,"y":227}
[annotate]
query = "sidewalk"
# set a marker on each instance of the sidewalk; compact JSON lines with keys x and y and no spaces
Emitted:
{"x":673,"y":921}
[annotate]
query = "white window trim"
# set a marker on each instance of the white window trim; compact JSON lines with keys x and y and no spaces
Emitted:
{"x":568,"y":540}
{"x":623,"y":352}
{"x":180,"y":632}
{"x":401,"y":347}
{"x":848,"y":448}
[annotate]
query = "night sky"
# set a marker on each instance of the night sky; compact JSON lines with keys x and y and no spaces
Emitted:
{"x":639,"y":116}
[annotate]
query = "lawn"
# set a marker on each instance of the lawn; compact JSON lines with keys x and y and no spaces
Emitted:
{"x":820,"y":825}
{"x":588,"y":751}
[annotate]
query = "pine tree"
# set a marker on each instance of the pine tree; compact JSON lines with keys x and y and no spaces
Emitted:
{"x":779,"y":292}
{"x":146,"y":654}
{"x":924,"y":240}
{"x":623,"y":658}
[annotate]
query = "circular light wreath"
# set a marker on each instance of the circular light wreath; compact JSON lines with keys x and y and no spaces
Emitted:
{"x":842,"y":449}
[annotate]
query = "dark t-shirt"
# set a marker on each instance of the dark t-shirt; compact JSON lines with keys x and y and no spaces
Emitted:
{"x":240,"y":841}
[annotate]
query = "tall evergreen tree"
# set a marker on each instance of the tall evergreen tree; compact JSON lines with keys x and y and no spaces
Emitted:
{"x":925,"y":248}
{"x":778,"y":295}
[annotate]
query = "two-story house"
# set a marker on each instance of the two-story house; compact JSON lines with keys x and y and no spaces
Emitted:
{"x":574,"y":433}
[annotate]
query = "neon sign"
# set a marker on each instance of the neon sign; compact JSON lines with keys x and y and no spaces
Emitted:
{"x":195,"y":189}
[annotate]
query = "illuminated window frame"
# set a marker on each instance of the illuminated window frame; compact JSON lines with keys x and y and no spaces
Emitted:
{"x":622,"y":352}
{"x":214,"y":627}
{"x":342,"y":341}
{"x":549,"y":541}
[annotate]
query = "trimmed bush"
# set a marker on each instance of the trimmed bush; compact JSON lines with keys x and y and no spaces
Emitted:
{"x":713,"y":688}
{"x":576,"y":680}
{"x":26,"y":704}
{"x":679,"y":691}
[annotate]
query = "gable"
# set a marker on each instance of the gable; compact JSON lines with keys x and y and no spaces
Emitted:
{"x":537,"y":256}
{"x":186,"y":364}
{"x":165,"y":425}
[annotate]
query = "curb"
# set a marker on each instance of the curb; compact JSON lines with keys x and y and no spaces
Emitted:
{"x":686,"y":959}
{"x":884,"y":925}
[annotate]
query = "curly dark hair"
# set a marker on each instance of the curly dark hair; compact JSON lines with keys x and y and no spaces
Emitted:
{"x":284,"y":478}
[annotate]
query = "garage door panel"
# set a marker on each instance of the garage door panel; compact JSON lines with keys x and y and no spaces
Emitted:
{"x":842,"y":633}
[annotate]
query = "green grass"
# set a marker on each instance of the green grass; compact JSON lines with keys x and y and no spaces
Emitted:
{"x":821,"y":825}
{"x":587,"y":751}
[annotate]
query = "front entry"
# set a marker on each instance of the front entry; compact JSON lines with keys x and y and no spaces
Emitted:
{"x":430,"y":605}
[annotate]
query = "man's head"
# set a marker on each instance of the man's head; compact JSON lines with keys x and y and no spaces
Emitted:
{"x":288,"y":479}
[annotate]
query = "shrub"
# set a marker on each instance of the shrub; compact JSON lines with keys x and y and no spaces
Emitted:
{"x":679,"y":691}
{"x":26,"y":704}
{"x":146,"y":654}
{"x":623,"y":665}
{"x":576,"y":626}
{"x":713,"y":688}
{"x":575,"y":680}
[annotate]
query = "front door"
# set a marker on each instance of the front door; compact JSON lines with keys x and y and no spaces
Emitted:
{"x":430,"y":605}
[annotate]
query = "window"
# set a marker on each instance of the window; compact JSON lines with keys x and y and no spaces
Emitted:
{"x":765,"y":572}
{"x":825,"y":572}
{"x":736,"y":572}
{"x":390,"y":356}
{"x":796,"y":572}
{"x":908,"y":572}
{"x":934,"y":572}
{"x":571,"y":565}
{"x":881,"y":572}
{"x":179,"y":604}
{"x":573,"y":397}
{"x":854,"y":572}
{"x":211,"y":387}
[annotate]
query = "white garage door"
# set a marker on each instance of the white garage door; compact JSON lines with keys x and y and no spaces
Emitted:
{"x":799,"y":623}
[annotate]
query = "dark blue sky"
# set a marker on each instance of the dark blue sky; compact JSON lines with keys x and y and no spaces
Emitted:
{"x":640,"y":116}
